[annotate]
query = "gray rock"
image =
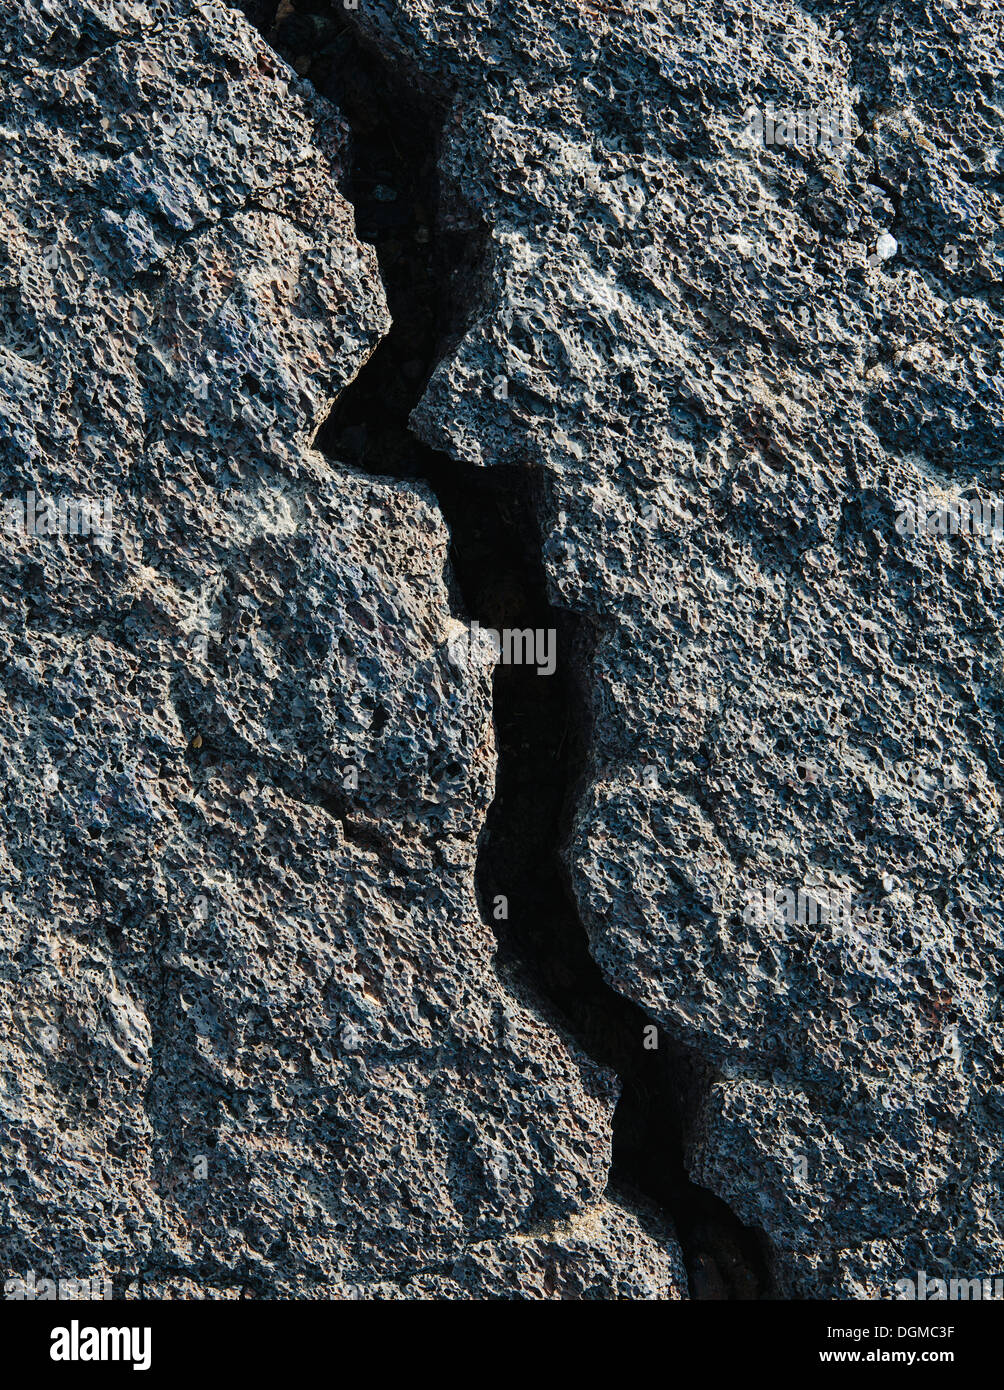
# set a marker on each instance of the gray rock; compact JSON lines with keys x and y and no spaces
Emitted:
{"x":254,"y":1039}
{"x":735,"y":364}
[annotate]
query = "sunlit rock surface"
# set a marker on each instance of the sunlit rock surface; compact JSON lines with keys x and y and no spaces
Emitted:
{"x":253,"y":1040}
{"x":739,"y":364}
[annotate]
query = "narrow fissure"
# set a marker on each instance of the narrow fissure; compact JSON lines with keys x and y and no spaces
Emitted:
{"x":497,"y":573}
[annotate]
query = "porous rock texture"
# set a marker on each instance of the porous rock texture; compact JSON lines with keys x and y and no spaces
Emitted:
{"x":731,"y":388}
{"x":239,"y":921}
{"x":253,"y":1040}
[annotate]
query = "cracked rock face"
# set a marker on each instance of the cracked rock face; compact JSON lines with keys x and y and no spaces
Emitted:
{"x":254,"y":1039}
{"x":253,"y":1036}
{"x":736,"y":363}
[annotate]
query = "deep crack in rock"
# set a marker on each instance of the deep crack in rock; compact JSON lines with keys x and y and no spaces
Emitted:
{"x":541,"y":722}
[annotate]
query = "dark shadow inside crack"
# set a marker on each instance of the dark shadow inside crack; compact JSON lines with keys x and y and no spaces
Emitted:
{"x":433,"y":276}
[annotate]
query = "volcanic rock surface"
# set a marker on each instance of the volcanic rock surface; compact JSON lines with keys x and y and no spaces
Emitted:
{"x":254,"y":1040}
{"x":256,"y":1036}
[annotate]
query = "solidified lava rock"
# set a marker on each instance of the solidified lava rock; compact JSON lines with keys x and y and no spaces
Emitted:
{"x":730,"y":280}
{"x":254,"y":1040}
{"x":737,"y":355}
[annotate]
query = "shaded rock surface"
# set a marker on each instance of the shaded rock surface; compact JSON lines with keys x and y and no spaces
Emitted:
{"x":254,"y":1040}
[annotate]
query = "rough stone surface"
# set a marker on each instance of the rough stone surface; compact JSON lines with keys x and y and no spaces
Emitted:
{"x":253,"y":1034}
{"x":253,"y":1037}
{"x":732,"y":387}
